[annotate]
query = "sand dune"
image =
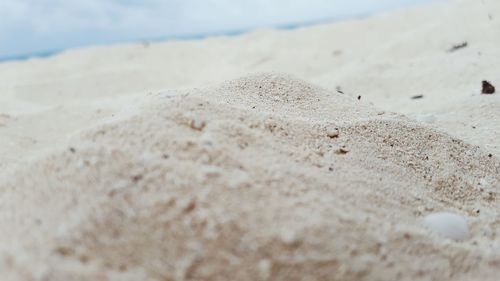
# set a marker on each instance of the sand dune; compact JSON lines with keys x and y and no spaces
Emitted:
{"x":199,"y":160}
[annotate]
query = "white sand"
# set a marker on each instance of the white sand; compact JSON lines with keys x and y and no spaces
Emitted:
{"x":109,"y":174}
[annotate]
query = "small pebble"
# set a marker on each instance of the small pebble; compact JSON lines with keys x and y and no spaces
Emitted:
{"x":447,"y":225}
{"x":332,"y":132}
{"x":342,"y":150}
{"x":197,"y":124}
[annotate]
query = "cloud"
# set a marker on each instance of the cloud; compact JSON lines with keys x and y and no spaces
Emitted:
{"x":34,"y":25}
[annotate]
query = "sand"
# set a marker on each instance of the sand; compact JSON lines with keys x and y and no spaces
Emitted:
{"x":275,"y":155}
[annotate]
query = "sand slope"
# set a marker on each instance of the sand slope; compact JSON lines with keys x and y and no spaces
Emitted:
{"x":243,"y":181}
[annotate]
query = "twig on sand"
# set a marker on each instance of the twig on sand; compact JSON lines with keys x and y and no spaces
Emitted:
{"x":458,"y":47}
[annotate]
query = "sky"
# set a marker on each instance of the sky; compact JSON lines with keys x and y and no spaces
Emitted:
{"x":37,"y":26}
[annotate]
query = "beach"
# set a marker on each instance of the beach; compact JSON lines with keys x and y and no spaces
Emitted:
{"x":327,"y":152}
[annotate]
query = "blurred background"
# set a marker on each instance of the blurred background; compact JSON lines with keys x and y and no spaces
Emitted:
{"x":42,"y":27}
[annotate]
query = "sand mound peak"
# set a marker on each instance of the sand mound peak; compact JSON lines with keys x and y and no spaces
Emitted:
{"x":275,"y":86}
{"x":294,"y":97}
{"x":200,"y":187}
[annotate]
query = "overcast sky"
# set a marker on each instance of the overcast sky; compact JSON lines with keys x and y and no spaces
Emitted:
{"x":31,"y":26}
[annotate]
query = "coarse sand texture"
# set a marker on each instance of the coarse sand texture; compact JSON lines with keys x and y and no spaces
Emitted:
{"x":259,"y":192}
{"x":361,"y":150}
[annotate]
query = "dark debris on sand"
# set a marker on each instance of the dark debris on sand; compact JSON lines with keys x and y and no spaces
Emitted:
{"x":458,"y":46}
{"x":487,"y":88}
